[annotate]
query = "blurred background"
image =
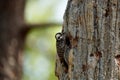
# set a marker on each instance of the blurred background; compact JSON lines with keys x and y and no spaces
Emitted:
{"x":40,"y":49}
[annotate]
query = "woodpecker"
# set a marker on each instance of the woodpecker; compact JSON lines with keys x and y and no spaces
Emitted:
{"x":60,"y":46}
{"x":63,"y":48}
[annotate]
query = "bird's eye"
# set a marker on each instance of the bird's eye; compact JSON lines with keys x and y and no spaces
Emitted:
{"x":59,"y":38}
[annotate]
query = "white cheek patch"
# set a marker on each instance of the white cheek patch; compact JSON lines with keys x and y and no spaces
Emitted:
{"x":61,"y":37}
{"x":58,"y":36}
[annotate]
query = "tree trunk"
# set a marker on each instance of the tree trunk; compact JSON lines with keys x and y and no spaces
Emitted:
{"x":11,"y":39}
{"x":92,"y":28}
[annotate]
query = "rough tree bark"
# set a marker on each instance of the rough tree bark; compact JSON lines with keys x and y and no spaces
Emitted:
{"x":93,"y":29}
{"x":11,"y":42}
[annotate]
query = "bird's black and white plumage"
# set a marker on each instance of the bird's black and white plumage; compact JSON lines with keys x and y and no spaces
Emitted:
{"x":60,"y":46}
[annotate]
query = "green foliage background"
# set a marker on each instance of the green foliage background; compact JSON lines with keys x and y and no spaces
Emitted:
{"x":40,"y":49}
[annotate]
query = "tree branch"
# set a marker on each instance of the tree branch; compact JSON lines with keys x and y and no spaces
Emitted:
{"x":27,"y":27}
{"x":43,"y":25}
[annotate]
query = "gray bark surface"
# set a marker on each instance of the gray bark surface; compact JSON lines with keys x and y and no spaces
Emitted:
{"x":93,"y":29}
